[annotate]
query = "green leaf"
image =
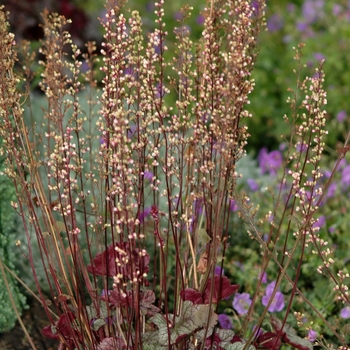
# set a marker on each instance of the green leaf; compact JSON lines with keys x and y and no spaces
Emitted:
{"x":97,"y":324}
{"x":146,"y":346}
{"x":239,"y":346}
{"x":160,"y":322}
{"x":345,"y":330}
{"x":225,"y":335}
{"x":202,"y":314}
{"x":203,"y":237}
{"x":60,"y":226}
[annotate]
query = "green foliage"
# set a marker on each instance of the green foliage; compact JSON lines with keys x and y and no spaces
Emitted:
{"x":7,"y":256}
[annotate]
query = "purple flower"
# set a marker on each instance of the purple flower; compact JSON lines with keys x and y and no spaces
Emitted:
{"x":277,"y":302}
{"x":319,"y":56}
{"x":331,"y":190}
{"x":302,"y":26}
{"x":200,"y":20}
{"x":104,"y":292}
{"x":312,"y":10}
{"x":320,"y":222}
{"x":198,"y":206}
{"x":257,"y":331}
{"x":219,"y":271}
{"x":336,"y":10}
{"x":253,"y":185}
{"x":241,"y":303}
{"x":225,"y":321}
{"x":345,"y":312}
{"x":178,"y":16}
{"x":233,"y":205}
{"x":144,"y":214}
{"x":332,"y":229}
{"x":263,"y":277}
{"x":341,"y":116}
{"x":160,"y":91}
{"x":275,"y":23}
{"x":345,"y":176}
{"x":312,"y":335}
{"x":255,"y":5}
{"x":269,"y":162}
{"x":301,"y":147}
{"x":131,"y":131}
{"x":148,"y":175}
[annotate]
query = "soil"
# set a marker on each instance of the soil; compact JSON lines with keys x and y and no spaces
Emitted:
{"x":34,"y":319}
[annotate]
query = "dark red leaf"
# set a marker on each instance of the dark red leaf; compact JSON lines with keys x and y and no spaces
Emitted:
{"x":47,"y":332}
{"x":121,"y":259}
{"x":269,"y":340}
{"x":225,"y":290}
{"x":191,"y":295}
{"x":104,"y":263}
{"x":236,"y":339}
{"x":63,"y":327}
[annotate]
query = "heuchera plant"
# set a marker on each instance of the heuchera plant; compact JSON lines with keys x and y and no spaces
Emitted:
{"x":150,"y":174}
{"x":130,"y":197}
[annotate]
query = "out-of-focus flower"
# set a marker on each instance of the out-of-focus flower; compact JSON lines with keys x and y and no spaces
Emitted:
{"x":345,"y":176}
{"x":257,"y":331}
{"x":241,"y":303}
{"x":301,"y":147}
{"x":275,"y":23}
{"x":345,"y":312}
{"x":337,"y":9}
{"x":219,"y":271}
{"x":225,"y":321}
{"x":178,"y":16}
{"x":312,"y":335}
{"x":200,"y":20}
{"x":331,"y":190}
{"x":341,"y":116}
{"x":332,"y":229}
{"x":263,"y":277}
{"x":277,"y":302}
{"x":320,"y":222}
{"x":148,"y":175}
{"x":269,"y":162}
{"x":144,"y":214}
{"x":233,"y":205}
{"x":253,"y":185}
{"x":319,"y":56}
{"x":312,"y":10}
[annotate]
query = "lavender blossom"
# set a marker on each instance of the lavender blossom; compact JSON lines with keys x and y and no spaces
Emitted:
{"x":312,"y":335}
{"x":345,"y":176}
{"x":225,"y":321}
{"x":253,"y":185}
{"x":241,"y":303}
{"x":277,"y":302}
{"x":341,"y":116}
{"x":275,"y":23}
{"x":269,"y":162}
{"x":312,"y":10}
{"x":345,"y":312}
